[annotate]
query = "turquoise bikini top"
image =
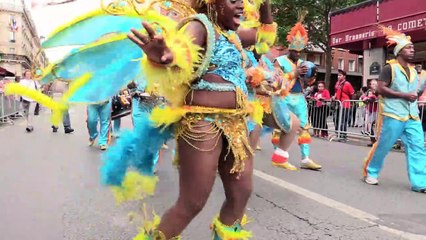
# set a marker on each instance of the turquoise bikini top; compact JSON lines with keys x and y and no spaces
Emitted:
{"x":227,"y":62}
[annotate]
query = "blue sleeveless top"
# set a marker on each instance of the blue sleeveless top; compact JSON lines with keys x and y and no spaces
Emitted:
{"x":228,"y":61}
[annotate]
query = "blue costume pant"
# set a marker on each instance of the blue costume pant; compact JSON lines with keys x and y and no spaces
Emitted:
{"x":298,"y":106}
{"x":281,"y":113}
{"x":116,"y":127}
{"x":411,"y":134}
{"x":141,"y":111}
{"x":102,"y":113}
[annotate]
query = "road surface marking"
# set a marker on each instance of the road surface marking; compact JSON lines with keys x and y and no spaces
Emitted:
{"x":351,"y":211}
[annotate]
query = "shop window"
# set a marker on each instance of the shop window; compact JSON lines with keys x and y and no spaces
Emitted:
{"x":351,"y":65}
{"x":317,"y":59}
{"x":341,"y":63}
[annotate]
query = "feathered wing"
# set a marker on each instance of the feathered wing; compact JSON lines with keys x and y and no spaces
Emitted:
{"x":90,"y":27}
{"x":112,"y":61}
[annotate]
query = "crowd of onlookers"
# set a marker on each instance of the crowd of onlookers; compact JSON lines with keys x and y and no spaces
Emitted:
{"x":348,"y":108}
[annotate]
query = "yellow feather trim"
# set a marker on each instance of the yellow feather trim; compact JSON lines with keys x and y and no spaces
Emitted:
{"x":256,"y":112}
{"x":134,"y":187}
{"x":149,"y":231}
{"x":165,"y":116}
{"x":392,"y":61}
{"x":174,"y":79}
{"x":58,"y":108}
{"x":149,"y":227}
{"x":266,"y":37}
{"x":228,"y":233}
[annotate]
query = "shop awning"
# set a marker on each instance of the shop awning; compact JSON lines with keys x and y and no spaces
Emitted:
{"x":5,"y":73}
{"x":355,"y":28}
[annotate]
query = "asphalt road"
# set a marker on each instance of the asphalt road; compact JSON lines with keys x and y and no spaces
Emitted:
{"x":50,"y":190}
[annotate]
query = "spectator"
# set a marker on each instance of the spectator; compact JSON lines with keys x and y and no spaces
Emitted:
{"x":309,"y":93}
{"x":343,"y":93}
{"x":370,"y":99}
{"x":27,"y":103}
{"x":125,"y":101}
{"x":59,"y":87}
{"x":360,"y":111}
{"x":422,"y":98}
{"x":321,"y":110}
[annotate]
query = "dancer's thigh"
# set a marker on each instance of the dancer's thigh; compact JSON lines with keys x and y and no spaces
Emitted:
{"x":198,"y":167}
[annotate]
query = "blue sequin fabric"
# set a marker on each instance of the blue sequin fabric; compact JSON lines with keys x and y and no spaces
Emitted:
{"x":227,"y":61}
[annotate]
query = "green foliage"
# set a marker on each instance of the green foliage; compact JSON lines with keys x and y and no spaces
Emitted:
{"x":286,"y":14}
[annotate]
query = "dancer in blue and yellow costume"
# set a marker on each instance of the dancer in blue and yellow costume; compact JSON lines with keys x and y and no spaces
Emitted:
{"x":214,"y":132}
{"x":399,"y":87}
{"x":266,"y":81}
{"x":198,"y":66}
{"x":297,"y":39}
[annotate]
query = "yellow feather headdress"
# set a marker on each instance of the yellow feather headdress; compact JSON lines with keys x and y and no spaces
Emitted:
{"x":297,"y":38}
{"x":400,"y":40}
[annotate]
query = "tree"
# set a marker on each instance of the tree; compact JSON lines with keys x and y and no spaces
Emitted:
{"x":317,"y":22}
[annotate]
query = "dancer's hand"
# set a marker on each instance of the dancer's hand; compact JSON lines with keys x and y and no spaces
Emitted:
{"x":301,"y":70}
{"x":153,"y":45}
{"x":410,"y":97}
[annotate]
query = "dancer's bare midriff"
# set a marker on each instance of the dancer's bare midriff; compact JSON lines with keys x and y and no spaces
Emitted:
{"x":215,"y":99}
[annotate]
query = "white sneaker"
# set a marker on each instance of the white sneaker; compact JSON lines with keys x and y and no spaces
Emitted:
{"x":371,"y":180}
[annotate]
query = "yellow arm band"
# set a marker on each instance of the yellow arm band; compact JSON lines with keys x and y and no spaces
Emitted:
{"x":265,"y":38}
{"x":172,"y":78}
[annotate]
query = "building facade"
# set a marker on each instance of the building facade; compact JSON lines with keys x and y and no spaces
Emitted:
{"x":355,"y":28}
{"x":20,"y":46}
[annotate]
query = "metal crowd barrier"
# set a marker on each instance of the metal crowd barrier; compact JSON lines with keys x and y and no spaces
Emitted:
{"x":321,"y":115}
{"x":10,"y":107}
{"x":353,"y":118}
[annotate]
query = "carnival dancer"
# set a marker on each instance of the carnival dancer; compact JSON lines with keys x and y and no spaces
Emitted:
{"x":297,"y":39}
{"x":214,"y":132}
{"x":266,"y":83}
{"x":198,"y":66}
{"x":99,"y":112}
{"x":59,"y":87}
{"x":399,"y":88}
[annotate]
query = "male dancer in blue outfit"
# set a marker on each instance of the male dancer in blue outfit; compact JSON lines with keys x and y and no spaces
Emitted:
{"x":399,"y":88}
{"x":99,"y":112}
{"x":297,"y":39}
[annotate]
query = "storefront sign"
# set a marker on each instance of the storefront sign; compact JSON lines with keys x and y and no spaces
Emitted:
{"x":375,"y":68}
{"x":405,"y":24}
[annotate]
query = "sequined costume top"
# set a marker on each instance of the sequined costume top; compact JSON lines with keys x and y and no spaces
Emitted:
{"x":226,"y":62}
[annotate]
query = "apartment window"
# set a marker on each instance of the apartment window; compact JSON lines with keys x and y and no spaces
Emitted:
{"x":341,"y":63}
{"x":317,"y":59}
{"x":13,"y":27}
{"x":12,"y":37}
{"x":351,"y":65}
{"x":12,"y":50}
